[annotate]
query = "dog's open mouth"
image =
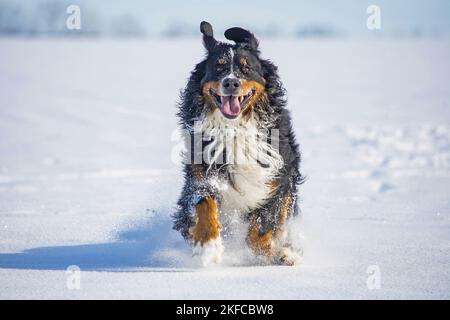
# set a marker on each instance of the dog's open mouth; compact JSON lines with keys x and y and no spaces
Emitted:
{"x":231,"y":106}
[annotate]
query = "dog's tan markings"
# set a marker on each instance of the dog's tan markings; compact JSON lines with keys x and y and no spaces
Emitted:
{"x":285,"y":212}
{"x":214,"y":85}
{"x":243,"y":61}
{"x":247,"y":85}
{"x":260,"y":93}
{"x":273,"y":185}
{"x":207,"y":226}
{"x":221,"y":61}
{"x":261,"y":244}
{"x":269,"y":244}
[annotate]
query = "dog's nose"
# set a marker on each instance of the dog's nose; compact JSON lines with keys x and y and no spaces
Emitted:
{"x":231,"y":85}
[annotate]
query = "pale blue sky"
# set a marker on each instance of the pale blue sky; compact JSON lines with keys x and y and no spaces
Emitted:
{"x":346,"y":16}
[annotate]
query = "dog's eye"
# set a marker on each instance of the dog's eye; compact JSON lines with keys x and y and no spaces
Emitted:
{"x":220,"y":64}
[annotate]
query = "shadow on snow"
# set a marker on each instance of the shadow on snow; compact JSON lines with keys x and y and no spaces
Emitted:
{"x":152,"y":244}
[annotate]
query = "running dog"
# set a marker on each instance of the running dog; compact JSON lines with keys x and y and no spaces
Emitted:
{"x":242,"y":158}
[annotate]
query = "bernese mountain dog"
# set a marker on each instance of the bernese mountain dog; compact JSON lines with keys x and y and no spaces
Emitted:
{"x":242,"y":159}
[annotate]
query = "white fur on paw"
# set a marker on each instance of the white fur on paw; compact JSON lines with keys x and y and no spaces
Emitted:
{"x":290,"y":257}
{"x":210,"y":252}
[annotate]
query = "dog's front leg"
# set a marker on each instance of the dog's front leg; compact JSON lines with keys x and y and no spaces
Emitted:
{"x":198,"y":216}
{"x":270,"y":242}
{"x":205,"y":232}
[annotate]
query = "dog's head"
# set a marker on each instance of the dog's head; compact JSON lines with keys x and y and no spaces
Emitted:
{"x":233,"y":80}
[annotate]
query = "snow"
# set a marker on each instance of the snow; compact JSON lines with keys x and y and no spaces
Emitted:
{"x":87,"y":176}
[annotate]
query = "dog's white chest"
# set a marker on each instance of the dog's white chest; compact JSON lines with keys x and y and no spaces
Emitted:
{"x":251,"y":162}
{"x":247,"y":189}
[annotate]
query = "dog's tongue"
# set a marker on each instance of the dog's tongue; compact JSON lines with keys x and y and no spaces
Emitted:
{"x":230,"y":106}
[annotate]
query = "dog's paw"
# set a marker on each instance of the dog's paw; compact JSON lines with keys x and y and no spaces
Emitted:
{"x":209,"y":252}
{"x":289,"y":257}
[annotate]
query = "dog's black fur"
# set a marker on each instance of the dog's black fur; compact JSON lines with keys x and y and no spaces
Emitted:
{"x":272,"y":114}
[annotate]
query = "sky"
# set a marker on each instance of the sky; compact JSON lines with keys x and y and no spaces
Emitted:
{"x":346,"y":17}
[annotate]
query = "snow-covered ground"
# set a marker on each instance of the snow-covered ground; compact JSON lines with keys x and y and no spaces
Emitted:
{"x":87,"y":177}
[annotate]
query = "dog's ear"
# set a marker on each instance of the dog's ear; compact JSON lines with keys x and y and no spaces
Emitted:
{"x":208,"y":35}
{"x":240,"y":35}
